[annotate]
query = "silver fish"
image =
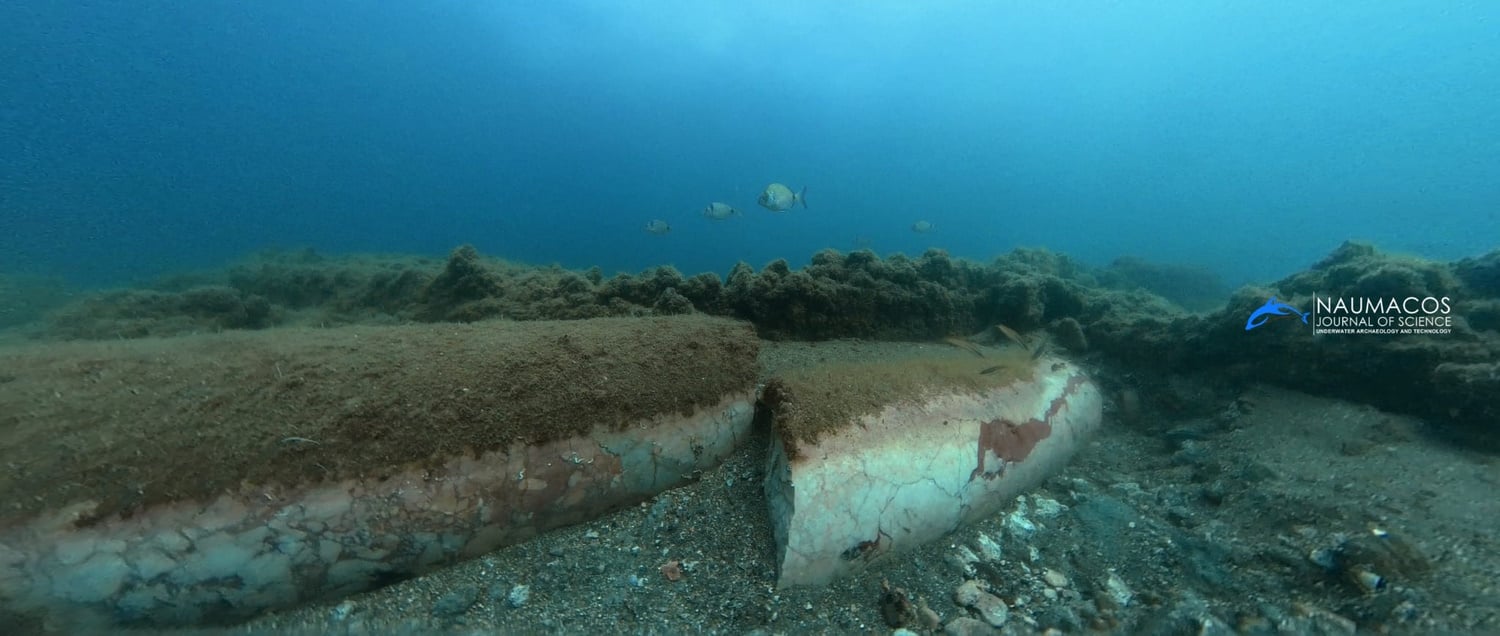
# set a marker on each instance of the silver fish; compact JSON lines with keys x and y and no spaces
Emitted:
{"x":779,"y":198}
{"x":921,"y":227}
{"x":658,"y":227}
{"x":719,"y":211}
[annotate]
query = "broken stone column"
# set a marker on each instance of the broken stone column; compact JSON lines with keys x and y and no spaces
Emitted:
{"x":872,"y":459}
{"x":205,"y":479}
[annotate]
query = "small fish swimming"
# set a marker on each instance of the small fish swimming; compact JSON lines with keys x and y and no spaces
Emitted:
{"x":779,"y":198}
{"x":1013,"y":336}
{"x":719,"y":211}
{"x":921,"y":227}
{"x":964,"y":344}
{"x":658,"y":227}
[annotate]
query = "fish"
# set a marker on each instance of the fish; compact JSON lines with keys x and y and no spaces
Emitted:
{"x":779,"y":198}
{"x":719,"y":211}
{"x":658,"y":227}
{"x":1041,"y":350}
{"x":965,"y":345}
{"x":1273,"y":309}
{"x":921,"y":227}
{"x":1013,"y":336}
{"x":989,"y":370}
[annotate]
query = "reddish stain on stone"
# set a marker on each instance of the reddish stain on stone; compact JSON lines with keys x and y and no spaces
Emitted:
{"x":1012,"y":441}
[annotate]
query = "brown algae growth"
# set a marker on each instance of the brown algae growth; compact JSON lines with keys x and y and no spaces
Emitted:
{"x":811,"y":401}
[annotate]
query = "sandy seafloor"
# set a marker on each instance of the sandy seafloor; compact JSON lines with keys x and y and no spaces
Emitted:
{"x":1162,"y":525}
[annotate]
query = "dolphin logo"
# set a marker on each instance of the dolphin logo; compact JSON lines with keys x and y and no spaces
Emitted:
{"x":1273,"y":309}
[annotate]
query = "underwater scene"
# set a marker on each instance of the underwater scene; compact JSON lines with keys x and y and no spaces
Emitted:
{"x":749,"y":318}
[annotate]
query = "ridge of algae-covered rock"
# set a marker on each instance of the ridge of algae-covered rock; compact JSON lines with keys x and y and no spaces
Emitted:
{"x":1190,"y":287}
{"x":1481,"y":279}
{"x":1442,"y":376}
{"x":837,"y":295}
{"x":270,"y":288}
{"x":1482,"y":274}
{"x":861,"y":295}
{"x":25,"y":298}
{"x":140,"y":313}
{"x":465,"y":291}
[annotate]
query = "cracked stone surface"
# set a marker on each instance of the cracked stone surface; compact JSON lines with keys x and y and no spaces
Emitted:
{"x":190,"y":562}
{"x":914,"y":472}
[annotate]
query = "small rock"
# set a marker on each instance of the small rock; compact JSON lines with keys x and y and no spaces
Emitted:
{"x":1254,"y":625}
{"x":1047,"y":508}
{"x":1061,"y":619}
{"x":591,"y":535}
{"x":672,"y":570}
{"x":1215,"y":493}
{"x":1018,"y":526}
{"x":1117,"y":590}
{"x":1191,"y":454}
{"x":342,"y":610}
{"x":1187,"y":433}
{"x":556,"y":551}
{"x":988,"y":549}
{"x":966,"y":555}
{"x":967,"y":594}
{"x":1323,"y":621}
{"x":1211,"y":625}
{"x":1189,"y":613}
{"x":965,"y":626}
{"x":989,"y":606}
{"x":1181,"y":516}
{"x":962,"y":559}
{"x":1405,"y":612}
{"x":1384,"y":552}
{"x":1054,"y":578}
{"x":519,"y":595}
{"x":455,"y":602}
{"x":1326,"y":558}
{"x":928,"y":619}
{"x":662,"y":505}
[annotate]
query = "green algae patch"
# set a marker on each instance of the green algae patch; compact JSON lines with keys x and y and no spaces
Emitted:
{"x":129,"y":424}
{"x":808,"y":402}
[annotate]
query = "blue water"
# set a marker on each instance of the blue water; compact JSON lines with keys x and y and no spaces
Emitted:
{"x":140,"y":137}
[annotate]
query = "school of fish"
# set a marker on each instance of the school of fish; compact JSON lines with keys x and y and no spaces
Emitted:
{"x":776,"y":197}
